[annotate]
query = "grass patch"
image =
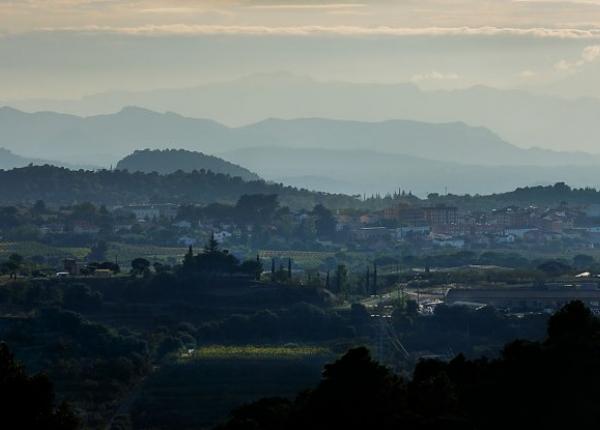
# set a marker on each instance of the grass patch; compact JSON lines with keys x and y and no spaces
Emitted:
{"x":254,"y":352}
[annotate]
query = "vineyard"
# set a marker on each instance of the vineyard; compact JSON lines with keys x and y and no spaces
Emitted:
{"x":253,"y":352}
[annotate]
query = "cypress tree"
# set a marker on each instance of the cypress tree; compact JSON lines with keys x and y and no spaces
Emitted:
{"x":374,"y":278}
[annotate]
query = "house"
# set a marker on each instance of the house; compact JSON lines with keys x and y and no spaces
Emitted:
{"x":84,"y":227}
{"x":405,"y":214}
{"x":103,"y":273}
{"x":70,"y":266}
{"x":446,"y":241}
{"x":441,"y":215}
{"x":53,"y":228}
{"x":222,"y":236}
{"x":183,"y":224}
{"x":122,"y":227}
{"x":519,"y":233}
{"x":143,"y":213}
{"x":407,"y":232}
{"x":369,"y":233}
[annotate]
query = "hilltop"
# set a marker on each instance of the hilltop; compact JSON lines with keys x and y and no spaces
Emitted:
{"x":171,"y":160}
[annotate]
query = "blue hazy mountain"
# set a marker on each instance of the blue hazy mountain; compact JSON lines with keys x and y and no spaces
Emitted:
{"x":522,"y":118}
{"x":104,"y":139}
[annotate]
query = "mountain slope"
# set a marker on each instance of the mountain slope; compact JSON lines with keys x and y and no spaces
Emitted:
{"x":172,"y":160}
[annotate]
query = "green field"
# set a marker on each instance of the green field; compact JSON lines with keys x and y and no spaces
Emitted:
{"x":253,"y":352}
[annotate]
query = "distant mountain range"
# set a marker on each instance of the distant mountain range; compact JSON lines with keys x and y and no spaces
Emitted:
{"x":106,"y":138}
{"x":522,"y":118}
{"x":172,"y":160}
{"x":329,"y":155}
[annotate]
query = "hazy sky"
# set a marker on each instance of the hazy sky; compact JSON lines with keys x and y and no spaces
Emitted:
{"x":68,"y":48}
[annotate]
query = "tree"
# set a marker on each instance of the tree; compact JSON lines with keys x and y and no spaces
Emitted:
{"x":573,"y":320}
{"x":140,"y":266}
{"x":583,"y":261}
{"x":375,"y":279}
{"x":12,"y":265}
{"x":252,"y":267}
{"x":39,"y":207}
{"x":80,"y":297}
{"x":28,"y":402}
{"x":341,"y":279}
{"x":554,"y":268}
{"x":211,"y":260}
{"x":212,"y":245}
{"x":325,"y":223}
{"x":256,"y":208}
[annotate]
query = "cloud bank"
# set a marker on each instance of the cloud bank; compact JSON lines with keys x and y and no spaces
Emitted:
{"x":318,"y":30}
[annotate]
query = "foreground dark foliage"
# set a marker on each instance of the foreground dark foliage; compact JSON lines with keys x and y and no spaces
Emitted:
{"x":27,"y":402}
{"x":549,"y":384}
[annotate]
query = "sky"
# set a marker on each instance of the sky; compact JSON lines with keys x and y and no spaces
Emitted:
{"x":71,"y":48}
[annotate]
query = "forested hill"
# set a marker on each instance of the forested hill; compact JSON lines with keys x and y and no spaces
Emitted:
{"x":56,"y":185}
{"x":172,"y":160}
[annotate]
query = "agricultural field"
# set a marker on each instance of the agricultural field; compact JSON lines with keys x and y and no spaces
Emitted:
{"x":124,"y":253}
{"x":198,"y":389}
{"x":303,"y":258}
{"x":31,"y":249}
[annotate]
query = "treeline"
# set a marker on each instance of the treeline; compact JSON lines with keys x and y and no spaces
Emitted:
{"x":57,"y":185}
{"x":541,"y":195}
